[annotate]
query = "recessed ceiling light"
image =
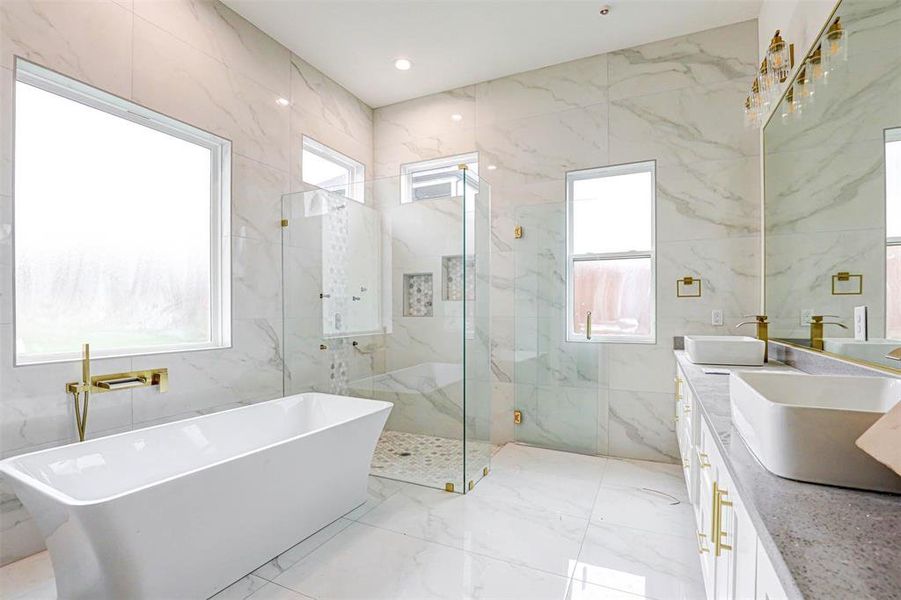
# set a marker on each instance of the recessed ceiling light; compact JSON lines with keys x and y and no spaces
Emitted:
{"x":456,"y":117}
{"x":492,"y":167}
{"x":402,"y":64}
{"x":282,"y":101}
{"x":605,"y":10}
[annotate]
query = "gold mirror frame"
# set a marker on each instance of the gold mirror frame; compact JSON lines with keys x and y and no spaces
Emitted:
{"x":840,"y":357}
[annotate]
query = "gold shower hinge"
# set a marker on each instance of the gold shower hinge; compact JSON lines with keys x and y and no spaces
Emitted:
{"x":284,"y":222}
{"x":517,"y":232}
{"x":448,"y":487}
{"x":472,"y":484}
{"x":517,"y":417}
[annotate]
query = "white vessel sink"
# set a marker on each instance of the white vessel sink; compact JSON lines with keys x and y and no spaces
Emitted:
{"x":872,"y":350}
{"x":804,"y":426}
{"x":724,"y":350}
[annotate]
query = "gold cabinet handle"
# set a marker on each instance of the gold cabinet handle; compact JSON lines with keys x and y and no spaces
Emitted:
{"x":718,"y":533}
{"x":703,"y":460}
{"x":677,"y":393}
{"x":588,"y":325}
{"x":702,"y":546}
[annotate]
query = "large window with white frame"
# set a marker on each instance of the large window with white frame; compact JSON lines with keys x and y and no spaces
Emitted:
{"x":610,"y":241}
{"x":333,"y":171}
{"x":440,"y":178}
{"x":893,"y":233}
{"x":120,"y":228}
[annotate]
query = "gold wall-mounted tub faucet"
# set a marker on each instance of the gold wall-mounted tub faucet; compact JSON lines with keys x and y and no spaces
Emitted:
{"x":99,"y":384}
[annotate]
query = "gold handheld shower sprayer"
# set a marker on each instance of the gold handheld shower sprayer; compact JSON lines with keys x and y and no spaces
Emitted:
{"x":98,"y":384}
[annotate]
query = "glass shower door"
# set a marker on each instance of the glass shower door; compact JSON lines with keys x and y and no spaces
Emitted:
{"x":387,"y":299}
{"x":476,"y":340}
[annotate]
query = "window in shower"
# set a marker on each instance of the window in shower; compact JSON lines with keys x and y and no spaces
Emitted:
{"x":440,"y":178}
{"x":893,"y":233}
{"x":329,"y":169}
{"x":121,"y":226}
{"x":610,"y":253}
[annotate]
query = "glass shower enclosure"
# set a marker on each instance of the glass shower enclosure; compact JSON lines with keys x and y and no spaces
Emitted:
{"x":386,"y":296}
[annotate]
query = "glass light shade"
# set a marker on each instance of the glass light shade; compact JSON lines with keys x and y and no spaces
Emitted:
{"x":778,"y":58}
{"x":789,"y":107}
{"x":805,"y":87}
{"x":816,"y":67}
{"x":835,"y":46}
{"x":752,"y":115}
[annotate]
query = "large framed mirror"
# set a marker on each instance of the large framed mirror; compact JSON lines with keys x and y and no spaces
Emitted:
{"x":832,"y":191}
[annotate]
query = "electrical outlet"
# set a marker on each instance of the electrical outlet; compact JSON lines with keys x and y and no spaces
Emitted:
{"x":806,"y":316}
{"x":716,"y":316}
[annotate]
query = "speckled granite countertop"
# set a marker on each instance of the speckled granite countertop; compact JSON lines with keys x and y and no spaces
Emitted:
{"x":823,"y":541}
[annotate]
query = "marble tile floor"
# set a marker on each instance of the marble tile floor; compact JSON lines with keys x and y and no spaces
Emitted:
{"x":542,"y":525}
{"x":429,"y":460}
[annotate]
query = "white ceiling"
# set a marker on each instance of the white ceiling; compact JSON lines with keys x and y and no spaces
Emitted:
{"x":460,"y":42}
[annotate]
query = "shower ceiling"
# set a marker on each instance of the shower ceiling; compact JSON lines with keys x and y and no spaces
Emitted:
{"x":459,"y":42}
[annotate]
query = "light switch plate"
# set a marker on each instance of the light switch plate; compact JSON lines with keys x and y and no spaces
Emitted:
{"x":716,"y":316}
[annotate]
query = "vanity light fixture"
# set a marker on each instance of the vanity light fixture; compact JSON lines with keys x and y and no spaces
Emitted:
{"x":402,"y":64}
{"x":816,"y":66}
{"x":456,"y":117}
{"x":805,"y":86}
{"x":789,"y":107}
{"x":779,"y":57}
{"x":835,"y":45}
{"x":492,"y":167}
{"x":767,"y":84}
{"x":282,"y":101}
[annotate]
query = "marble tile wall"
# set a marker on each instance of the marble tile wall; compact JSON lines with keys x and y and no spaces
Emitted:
{"x":200,"y":62}
{"x":677,"y":101}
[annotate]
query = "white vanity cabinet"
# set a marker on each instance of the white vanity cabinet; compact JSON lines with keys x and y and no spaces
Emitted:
{"x":727,"y":540}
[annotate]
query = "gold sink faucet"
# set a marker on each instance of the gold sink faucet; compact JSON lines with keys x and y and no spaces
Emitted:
{"x":816,"y":329}
{"x":98,"y":384}
{"x":763,"y":332}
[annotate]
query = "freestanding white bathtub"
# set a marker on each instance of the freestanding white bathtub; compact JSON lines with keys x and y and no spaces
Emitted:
{"x":184,"y":509}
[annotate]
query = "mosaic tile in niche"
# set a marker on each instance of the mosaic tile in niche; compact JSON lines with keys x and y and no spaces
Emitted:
{"x":418,"y":295}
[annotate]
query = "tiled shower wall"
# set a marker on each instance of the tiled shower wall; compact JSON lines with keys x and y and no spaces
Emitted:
{"x":201,"y":63}
{"x":678,"y":102}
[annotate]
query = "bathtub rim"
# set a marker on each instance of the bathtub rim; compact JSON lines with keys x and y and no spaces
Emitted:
{"x":10,"y":469}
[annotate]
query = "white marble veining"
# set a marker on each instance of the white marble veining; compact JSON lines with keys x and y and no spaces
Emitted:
{"x":674,"y":101}
{"x":542,"y":525}
{"x":699,"y":59}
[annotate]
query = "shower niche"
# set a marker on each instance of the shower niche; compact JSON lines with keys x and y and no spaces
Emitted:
{"x":419,"y":295}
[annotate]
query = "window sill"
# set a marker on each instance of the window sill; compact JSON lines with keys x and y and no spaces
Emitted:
{"x":49,"y":359}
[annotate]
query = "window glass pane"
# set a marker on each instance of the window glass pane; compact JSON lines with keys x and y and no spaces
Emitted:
{"x":440,"y":178}
{"x":321,"y":172}
{"x":893,"y":292}
{"x":618,"y":294}
{"x":893,"y":189}
{"x":113,"y":231}
{"x":612,"y":213}
{"x":329,"y":169}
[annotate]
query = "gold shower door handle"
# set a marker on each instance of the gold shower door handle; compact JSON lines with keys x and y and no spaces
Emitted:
{"x":588,"y":325}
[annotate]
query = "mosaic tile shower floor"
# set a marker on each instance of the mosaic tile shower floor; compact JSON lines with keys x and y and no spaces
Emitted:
{"x":428,"y":460}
